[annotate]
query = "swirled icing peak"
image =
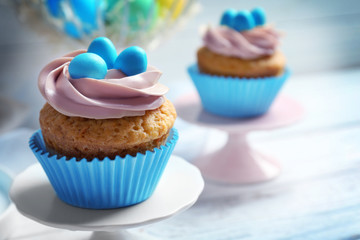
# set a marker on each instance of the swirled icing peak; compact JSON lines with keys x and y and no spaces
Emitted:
{"x":115,"y":96}
{"x":256,"y":43}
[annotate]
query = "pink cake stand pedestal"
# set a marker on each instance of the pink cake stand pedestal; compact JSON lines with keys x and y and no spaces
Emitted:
{"x":237,"y":162}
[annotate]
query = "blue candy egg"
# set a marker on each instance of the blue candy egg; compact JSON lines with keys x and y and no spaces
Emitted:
{"x":227,"y":18}
{"x":259,"y":16}
{"x":243,"y":21}
{"x":87,"y":65}
{"x":103,"y":47}
{"x":131,"y":61}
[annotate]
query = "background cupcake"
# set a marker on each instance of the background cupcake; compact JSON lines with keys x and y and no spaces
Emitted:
{"x":239,"y":69}
{"x":106,"y":129}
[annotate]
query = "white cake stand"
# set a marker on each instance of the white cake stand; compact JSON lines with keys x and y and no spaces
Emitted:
{"x":237,"y":162}
{"x":178,"y":189}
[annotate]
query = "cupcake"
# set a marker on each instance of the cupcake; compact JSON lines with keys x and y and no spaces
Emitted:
{"x":106,"y":129}
{"x":239,"y":70}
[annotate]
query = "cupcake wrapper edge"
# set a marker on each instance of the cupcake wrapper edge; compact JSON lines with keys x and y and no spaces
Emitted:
{"x":104,"y":184}
{"x":236,"y":97}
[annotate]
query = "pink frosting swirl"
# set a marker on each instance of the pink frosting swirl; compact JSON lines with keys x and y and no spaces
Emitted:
{"x":115,"y":96}
{"x":258,"y":42}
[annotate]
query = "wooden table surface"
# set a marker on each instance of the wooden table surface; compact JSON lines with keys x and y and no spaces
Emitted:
{"x":317,"y":196}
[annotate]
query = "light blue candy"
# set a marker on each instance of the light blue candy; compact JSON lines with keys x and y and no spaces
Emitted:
{"x":103,"y":47}
{"x":53,"y":7}
{"x":227,"y":18}
{"x":259,"y":16}
{"x":87,"y":65}
{"x":131,"y":61}
{"x":86,"y":11}
{"x":243,"y":21}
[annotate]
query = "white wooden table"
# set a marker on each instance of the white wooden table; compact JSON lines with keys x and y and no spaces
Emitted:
{"x":317,"y":196}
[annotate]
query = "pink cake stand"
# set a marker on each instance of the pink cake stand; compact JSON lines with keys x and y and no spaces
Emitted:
{"x":237,"y":162}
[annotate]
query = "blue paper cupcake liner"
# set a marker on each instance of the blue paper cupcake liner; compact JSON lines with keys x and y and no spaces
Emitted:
{"x":236,"y":97}
{"x":104,"y":184}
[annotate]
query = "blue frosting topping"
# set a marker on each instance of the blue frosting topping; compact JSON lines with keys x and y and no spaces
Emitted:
{"x":104,"y":47}
{"x":87,"y":65}
{"x":243,"y":20}
{"x":102,"y":55}
{"x":228,"y":16}
{"x":131,"y":61}
{"x":258,"y":15}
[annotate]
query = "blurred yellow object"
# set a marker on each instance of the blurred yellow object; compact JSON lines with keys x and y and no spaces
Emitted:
{"x":173,"y":7}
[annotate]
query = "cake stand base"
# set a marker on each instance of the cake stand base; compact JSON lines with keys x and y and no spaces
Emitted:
{"x":119,"y":235}
{"x":237,"y":162}
{"x":178,"y":189}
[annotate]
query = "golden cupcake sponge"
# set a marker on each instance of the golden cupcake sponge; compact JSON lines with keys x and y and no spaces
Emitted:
{"x":98,"y":138}
{"x":212,"y":63}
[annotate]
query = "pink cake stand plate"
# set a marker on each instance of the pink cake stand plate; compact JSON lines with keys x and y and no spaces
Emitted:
{"x":237,"y":162}
{"x":178,"y":189}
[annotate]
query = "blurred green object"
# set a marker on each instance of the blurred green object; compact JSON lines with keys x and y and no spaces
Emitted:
{"x":142,"y":13}
{"x":110,"y":4}
{"x":137,"y":14}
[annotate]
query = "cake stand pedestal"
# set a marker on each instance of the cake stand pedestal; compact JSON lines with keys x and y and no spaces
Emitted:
{"x":237,"y":162}
{"x":178,"y":189}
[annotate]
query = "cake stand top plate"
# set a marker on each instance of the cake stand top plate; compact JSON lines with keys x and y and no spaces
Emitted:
{"x":284,"y":111}
{"x":178,"y":189}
